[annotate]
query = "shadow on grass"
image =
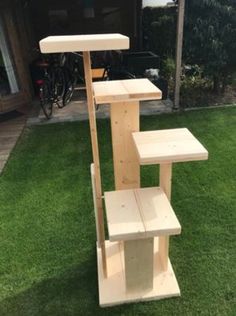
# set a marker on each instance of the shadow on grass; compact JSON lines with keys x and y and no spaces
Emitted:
{"x":74,"y":292}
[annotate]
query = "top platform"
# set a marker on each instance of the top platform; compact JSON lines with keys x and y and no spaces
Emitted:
{"x":167,"y":146}
{"x":82,"y":43}
{"x":125,"y":90}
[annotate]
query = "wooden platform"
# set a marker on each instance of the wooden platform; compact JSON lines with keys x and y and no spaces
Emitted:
{"x":81,"y":43}
{"x":168,"y":146}
{"x":112,"y":290}
{"x":140,"y":213}
{"x":125,"y":91}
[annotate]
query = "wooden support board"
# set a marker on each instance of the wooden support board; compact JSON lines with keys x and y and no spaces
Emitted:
{"x":96,"y":160}
{"x":172,"y":145}
{"x":112,"y":290}
{"x":124,"y":121}
{"x":138,"y":257}
{"x":165,"y":184}
{"x":93,"y":180}
{"x":140,"y":213}
{"x":83,"y":43}
{"x":125,"y":90}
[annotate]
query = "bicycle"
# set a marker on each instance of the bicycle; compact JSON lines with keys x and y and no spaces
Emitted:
{"x":53,"y":85}
{"x":73,"y":75}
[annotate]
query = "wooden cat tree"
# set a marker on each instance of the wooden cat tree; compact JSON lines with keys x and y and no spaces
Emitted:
{"x":133,"y":265}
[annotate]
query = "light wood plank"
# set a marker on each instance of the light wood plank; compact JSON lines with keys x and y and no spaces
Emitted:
{"x":138,"y":256}
{"x":140,"y":213}
{"x":165,"y":178}
{"x":124,"y":121}
{"x":125,"y":90}
{"x":99,"y":241}
{"x":83,"y":43}
{"x":165,"y":183}
{"x":156,"y":212}
{"x":95,"y":151}
{"x":164,"y":251}
{"x":123,"y":217}
{"x":165,"y":146}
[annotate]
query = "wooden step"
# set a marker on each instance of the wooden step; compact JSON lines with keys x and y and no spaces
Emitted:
{"x":125,"y":90}
{"x":140,"y":213}
{"x":167,"y":146}
{"x":81,"y":43}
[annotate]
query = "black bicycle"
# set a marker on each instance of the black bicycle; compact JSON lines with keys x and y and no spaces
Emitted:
{"x":52,"y":86}
{"x":73,"y":75}
{"x":61,"y":73}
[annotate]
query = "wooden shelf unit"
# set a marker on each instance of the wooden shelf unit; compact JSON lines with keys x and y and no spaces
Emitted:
{"x":134,"y":265}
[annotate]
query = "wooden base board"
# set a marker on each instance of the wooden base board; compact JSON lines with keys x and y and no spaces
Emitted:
{"x":112,"y":290}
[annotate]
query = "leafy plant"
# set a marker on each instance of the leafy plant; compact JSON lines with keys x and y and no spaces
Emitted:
{"x":210,"y":33}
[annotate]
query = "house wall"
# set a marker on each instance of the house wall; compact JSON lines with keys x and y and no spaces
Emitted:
{"x":26,"y":22}
{"x":59,"y":17}
{"x":12,"y":17}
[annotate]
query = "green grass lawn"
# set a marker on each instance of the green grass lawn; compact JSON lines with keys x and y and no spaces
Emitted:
{"x":47,"y":228}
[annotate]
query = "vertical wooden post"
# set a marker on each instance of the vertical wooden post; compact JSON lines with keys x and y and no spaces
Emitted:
{"x":124,"y":121}
{"x":138,"y":255}
{"x":179,"y":48}
{"x":165,"y":184}
{"x":95,"y":150}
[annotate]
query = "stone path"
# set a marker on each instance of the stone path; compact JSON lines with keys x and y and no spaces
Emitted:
{"x":11,"y":127}
{"x":77,"y":111}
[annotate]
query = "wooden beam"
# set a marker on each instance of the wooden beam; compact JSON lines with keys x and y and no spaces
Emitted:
{"x":95,"y":151}
{"x":138,"y":255}
{"x":165,"y":184}
{"x":179,"y":48}
{"x":124,"y":121}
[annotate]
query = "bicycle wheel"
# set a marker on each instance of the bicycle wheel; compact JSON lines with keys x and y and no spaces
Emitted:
{"x":59,"y":87}
{"x":46,"y":100}
{"x":70,"y":88}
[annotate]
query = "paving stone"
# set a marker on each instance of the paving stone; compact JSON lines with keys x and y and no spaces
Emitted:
{"x":2,"y":164}
{"x":10,"y":130}
{"x":77,"y":111}
{"x":4,"y":157}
